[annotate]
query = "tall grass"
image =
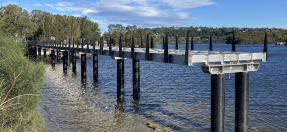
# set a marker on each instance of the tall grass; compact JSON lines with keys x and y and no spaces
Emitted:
{"x":20,"y":87}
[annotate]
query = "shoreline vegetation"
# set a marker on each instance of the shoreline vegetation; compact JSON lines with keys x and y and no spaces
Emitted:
{"x":40,"y":25}
{"x":20,"y":87}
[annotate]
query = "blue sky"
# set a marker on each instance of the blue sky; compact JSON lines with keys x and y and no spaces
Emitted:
{"x":182,"y":13}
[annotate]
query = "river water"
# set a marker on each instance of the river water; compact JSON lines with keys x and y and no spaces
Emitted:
{"x":174,"y":96}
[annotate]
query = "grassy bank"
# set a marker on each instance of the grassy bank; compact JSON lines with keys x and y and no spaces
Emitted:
{"x":20,"y":88}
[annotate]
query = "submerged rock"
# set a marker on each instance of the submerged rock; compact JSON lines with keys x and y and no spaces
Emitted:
{"x":153,"y":126}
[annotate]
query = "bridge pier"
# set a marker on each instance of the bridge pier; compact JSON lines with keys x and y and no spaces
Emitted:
{"x":74,"y":61}
{"x":35,"y":53}
{"x":53,"y":57}
{"x":120,"y":79}
{"x":217,"y":102}
{"x":83,"y":68}
{"x":45,"y":56}
{"x":136,"y":79}
{"x":39,"y":52}
{"x":65,"y":61}
{"x":58,"y":56}
{"x":241,"y":101}
{"x":95,"y":67}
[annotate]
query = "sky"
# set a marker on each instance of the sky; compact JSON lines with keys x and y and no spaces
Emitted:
{"x":158,"y":13}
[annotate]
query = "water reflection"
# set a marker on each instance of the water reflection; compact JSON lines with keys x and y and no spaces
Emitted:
{"x":174,"y":96}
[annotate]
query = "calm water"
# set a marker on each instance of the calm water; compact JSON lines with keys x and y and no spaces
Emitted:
{"x":175,"y":96}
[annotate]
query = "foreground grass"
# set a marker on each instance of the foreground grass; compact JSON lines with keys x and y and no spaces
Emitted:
{"x":20,"y":88}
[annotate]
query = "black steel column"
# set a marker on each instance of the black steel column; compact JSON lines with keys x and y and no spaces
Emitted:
{"x":163,"y":42}
{"x":147,"y":48}
{"x":53,"y":57}
{"x":82,"y":45}
{"x":83,"y":68}
{"x":141,"y":42}
{"x":39,"y":53}
{"x":101,"y":46}
{"x":166,"y":49}
{"x":120,"y":79}
{"x":69,"y":53}
{"x":95,"y":67}
{"x":136,"y":79}
{"x":241,"y":101}
{"x":217,"y":102}
{"x":233,"y":42}
{"x":35,"y":53}
{"x":65,"y":61}
{"x":74,"y":61}
{"x":45,"y":52}
{"x":176,"y":43}
{"x":210,"y":44}
{"x":78,"y":45}
{"x":265,"y":49}
{"x":110,"y":47}
{"x":58,"y":55}
{"x":151,"y":42}
{"x":191,"y":44}
{"x":186,"y":48}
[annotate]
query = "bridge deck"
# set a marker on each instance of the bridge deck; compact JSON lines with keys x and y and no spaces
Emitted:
{"x":217,"y":61}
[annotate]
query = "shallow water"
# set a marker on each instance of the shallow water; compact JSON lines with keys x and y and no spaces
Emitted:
{"x":175,"y":96}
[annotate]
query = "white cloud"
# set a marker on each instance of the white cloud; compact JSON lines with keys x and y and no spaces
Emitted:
{"x":99,"y":22}
{"x":136,"y":12}
{"x":38,"y":5}
{"x":49,"y":5}
{"x":76,"y":15}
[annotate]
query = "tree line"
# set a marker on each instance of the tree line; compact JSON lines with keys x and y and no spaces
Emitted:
{"x":41,"y":25}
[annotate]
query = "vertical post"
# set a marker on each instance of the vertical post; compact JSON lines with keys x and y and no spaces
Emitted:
{"x":45,"y":52}
{"x":265,"y":49}
{"x":147,"y":48}
{"x":151,"y":42}
{"x":65,"y":60}
{"x":136,"y":79}
{"x":163,"y":42}
{"x":101,"y":46}
{"x":233,"y":42}
{"x":136,"y":72}
{"x":186,"y":48}
{"x":210,"y":43}
{"x":120,"y":79}
{"x":217,"y":102}
{"x":141,"y":42}
{"x":58,"y":56}
{"x":110,"y":47}
{"x":78,"y":45}
{"x":94,"y":46}
{"x":35,"y":53}
{"x":95,"y":67}
{"x":39,"y":52}
{"x":176,"y":43}
{"x":73,"y":45}
{"x":88,"y":43}
{"x":69,"y":53}
{"x":120,"y":46}
{"x":83,"y":68}
{"x":241,"y":101}
{"x":191,"y":44}
{"x":82,"y":45}
{"x":53,"y":57}
{"x":166,"y":49}
{"x":74,"y":61}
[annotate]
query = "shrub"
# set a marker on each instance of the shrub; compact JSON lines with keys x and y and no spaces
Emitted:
{"x":20,"y":87}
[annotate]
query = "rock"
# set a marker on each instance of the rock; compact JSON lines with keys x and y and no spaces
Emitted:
{"x":167,"y":129}
{"x":153,"y":126}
